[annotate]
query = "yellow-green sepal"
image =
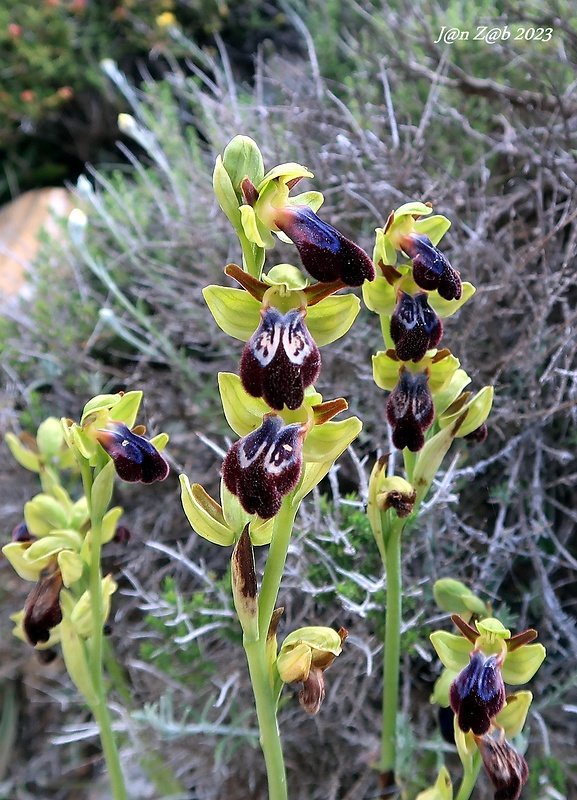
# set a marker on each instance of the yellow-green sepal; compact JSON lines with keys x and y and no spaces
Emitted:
{"x":326,"y":442}
{"x":243,"y":412}
{"x":446,"y":308}
{"x":15,"y":552}
{"x":205,"y":514}
{"x":440,"y":694}
{"x":235,"y":311}
{"x":287,"y":172}
{"x":22,"y":454}
{"x":442,"y":789}
{"x":102,"y":488}
{"x":81,"y":615}
{"x":71,"y":566}
{"x":254,"y":230}
{"x":236,"y":518}
{"x":330,"y":319}
{"x":43,"y":514}
{"x":74,"y":652}
{"x":379,"y":296}
{"x":478,"y":409}
{"x":450,"y":391}
{"x":228,"y":199}
{"x":520,"y":665}
{"x":453,"y":650}
{"x":434,"y":227}
{"x":110,"y":523}
{"x":514,"y":714}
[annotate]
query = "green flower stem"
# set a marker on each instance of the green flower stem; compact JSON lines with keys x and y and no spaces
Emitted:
{"x":392,"y":647}
{"x":267,"y":721}
{"x":100,"y":710}
{"x":256,"y":653}
{"x":470,"y":778}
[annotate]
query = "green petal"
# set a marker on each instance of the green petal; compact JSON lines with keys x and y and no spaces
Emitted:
{"x":313,"y":200}
{"x":413,"y":209}
{"x":453,"y":651}
{"x":101,"y":402}
{"x":520,"y":665}
{"x":235,"y":311}
{"x":327,"y":442}
{"x":493,"y":629}
{"x":512,"y":717}
{"x":287,"y":276}
{"x":330,"y":319}
{"x":204,"y":514}
{"x":243,"y":413}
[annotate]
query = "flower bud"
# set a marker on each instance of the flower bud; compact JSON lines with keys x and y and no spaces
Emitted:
{"x":135,"y":458}
{"x":506,"y":768}
{"x":410,"y":410}
{"x":477,"y":694}
{"x":42,"y":610}
{"x":415,"y":327}
{"x":431,"y":270}
{"x":325,"y":253}
{"x":264,"y":466}
{"x":280,"y":360}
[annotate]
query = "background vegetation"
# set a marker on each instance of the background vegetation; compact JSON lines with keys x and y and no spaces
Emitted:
{"x":360,"y":93}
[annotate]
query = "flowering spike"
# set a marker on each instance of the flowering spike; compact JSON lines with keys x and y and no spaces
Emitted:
{"x":135,"y":458}
{"x":415,"y":327}
{"x":410,"y":410}
{"x":280,"y":360}
{"x":265,"y":465}
{"x":431,"y":269}
{"x":326,"y":254}
{"x":477,"y":694}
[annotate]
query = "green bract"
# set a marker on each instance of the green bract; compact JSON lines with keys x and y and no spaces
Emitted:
{"x":456,"y":598}
{"x":477,"y":407}
{"x":442,"y":790}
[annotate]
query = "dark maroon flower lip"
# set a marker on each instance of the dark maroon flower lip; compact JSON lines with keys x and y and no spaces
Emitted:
{"x":415,"y":327}
{"x":325,"y":253}
{"x":280,"y":360}
{"x":431,"y":269}
{"x":410,"y":410}
{"x":135,"y":458}
{"x":264,"y":466}
{"x":477,"y":694}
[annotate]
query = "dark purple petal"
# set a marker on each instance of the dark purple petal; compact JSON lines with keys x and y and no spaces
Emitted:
{"x":506,"y":768}
{"x":42,"y":610}
{"x":280,"y":360}
{"x":264,"y":466}
{"x":415,"y":327}
{"x":135,"y":458}
{"x":410,"y":410}
{"x":477,"y":694}
{"x":325,"y":253}
{"x":431,"y":269}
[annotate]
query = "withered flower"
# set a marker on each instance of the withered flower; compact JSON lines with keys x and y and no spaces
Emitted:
{"x":42,"y":610}
{"x":506,"y":768}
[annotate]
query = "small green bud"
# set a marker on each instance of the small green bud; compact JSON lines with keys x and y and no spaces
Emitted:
{"x":456,"y":598}
{"x":50,"y":438}
{"x":243,"y":159}
{"x":81,"y":614}
{"x":43,"y":514}
{"x":442,"y":790}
